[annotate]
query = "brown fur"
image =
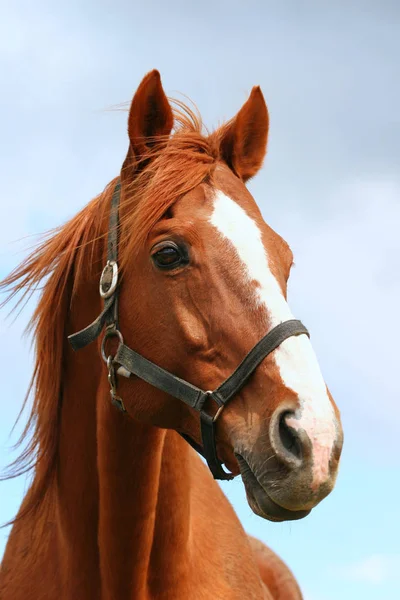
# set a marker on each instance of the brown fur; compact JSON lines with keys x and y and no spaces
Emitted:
{"x":121,"y":507}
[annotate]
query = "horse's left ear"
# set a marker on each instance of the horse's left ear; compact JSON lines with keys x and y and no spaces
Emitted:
{"x":243,"y":141}
{"x":150,"y":116}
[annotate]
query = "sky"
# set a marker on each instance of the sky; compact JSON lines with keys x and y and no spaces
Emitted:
{"x":330,"y":186}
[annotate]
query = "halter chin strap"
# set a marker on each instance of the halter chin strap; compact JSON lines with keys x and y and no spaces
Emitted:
{"x":127,"y":362}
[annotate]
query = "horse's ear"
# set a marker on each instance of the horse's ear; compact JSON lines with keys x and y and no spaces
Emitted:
{"x":150,"y":116}
{"x":243,"y":141}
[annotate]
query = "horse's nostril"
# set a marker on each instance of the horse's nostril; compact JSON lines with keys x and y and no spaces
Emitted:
{"x":289,"y":437}
{"x":292,"y":446}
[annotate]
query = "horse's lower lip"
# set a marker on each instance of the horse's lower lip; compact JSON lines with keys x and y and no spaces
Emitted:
{"x":259,"y":499}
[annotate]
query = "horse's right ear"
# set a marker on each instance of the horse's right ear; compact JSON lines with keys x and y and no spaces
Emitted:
{"x":150,"y":117}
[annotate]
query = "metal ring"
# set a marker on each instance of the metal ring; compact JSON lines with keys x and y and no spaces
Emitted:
{"x":106,"y":293}
{"x":219,"y":411}
{"x":109,"y":334}
{"x":221,"y":407}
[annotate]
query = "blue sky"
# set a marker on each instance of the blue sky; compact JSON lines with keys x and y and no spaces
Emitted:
{"x":330,"y":186}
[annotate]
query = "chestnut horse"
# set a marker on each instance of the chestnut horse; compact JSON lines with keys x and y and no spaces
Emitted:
{"x":120,"y":506}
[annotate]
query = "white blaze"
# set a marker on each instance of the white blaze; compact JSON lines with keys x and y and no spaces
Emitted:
{"x":295,"y":357}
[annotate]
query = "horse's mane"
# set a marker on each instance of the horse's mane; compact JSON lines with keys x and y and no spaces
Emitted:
{"x":65,"y":257}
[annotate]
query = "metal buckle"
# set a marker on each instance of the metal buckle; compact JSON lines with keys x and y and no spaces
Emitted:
{"x":115,"y":399}
{"x":108,"y":279}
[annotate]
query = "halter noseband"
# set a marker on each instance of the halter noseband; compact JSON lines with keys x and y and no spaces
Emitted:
{"x":128,"y":362}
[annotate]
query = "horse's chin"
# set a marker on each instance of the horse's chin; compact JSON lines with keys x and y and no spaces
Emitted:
{"x":259,"y":500}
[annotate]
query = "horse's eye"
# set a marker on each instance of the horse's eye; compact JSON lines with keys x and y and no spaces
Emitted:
{"x":167,"y":255}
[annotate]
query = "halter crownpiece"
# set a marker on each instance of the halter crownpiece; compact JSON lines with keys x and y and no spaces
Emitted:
{"x":127,"y":362}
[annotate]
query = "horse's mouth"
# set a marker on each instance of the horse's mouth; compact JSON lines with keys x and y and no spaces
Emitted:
{"x":259,"y":500}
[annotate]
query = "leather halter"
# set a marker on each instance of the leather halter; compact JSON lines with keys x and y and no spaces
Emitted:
{"x":127,"y":362}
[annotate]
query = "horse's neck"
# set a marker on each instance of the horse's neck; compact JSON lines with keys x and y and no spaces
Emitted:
{"x":144,"y":505}
{"x":122,"y":490}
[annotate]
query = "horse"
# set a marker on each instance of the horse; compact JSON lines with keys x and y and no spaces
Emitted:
{"x":200,"y":352}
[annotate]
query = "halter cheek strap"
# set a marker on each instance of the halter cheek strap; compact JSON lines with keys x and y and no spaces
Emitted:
{"x":129,"y":363}
{"x":108,"y":287}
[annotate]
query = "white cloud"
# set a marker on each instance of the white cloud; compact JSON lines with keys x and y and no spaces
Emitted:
{"x":375,"y":569}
